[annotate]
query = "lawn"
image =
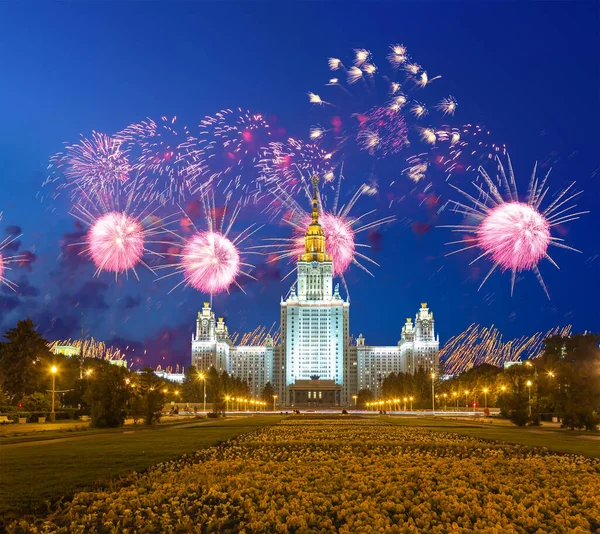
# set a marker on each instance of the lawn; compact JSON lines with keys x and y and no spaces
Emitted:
{"x":564,"y":441}
{"x":345,"y":475}
{"x":34,"y":474}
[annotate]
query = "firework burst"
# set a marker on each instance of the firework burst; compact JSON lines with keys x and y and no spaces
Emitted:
{"x":514,"y":235}
{"x":372,"y":108}
{"x":284,"y":166}
{"x":6,"y":261}
{"x":233,"y":140}
{"x":117,"y":238}
{"x":210,"y":260}
{"x":339,"y":225}
{"x":166,"y":156}
{"x":92,"y":165}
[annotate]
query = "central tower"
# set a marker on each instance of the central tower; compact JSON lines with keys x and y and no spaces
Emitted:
{"x":314,"y":322}
{"x":315,"y":266}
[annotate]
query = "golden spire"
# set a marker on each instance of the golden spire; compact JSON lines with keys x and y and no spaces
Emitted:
{"x":314,"y":241}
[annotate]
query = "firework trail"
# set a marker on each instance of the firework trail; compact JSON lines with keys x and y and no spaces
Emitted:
{"x":339,"y":225}
{"x":6,"y":260}
{"x":478,"y":345}
{"x":91,"y":349}
{"x":258,"y":337}
{"x":93,"y":165}
{"x":210,"y":260}
{"x":374,"y":109}
{"x":514,"y":235}
{"x":117,"y":236}
{"x":233,"y":141}
{"x":167,"y":158}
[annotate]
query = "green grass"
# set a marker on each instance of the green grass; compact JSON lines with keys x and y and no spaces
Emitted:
{"x":35,"y":474}
{"x":563,"y":441}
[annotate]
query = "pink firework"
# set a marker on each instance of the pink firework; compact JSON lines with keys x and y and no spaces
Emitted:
{"x":166,"y":156}
{"x":210,"y":261}
{"x":116,"y":242}
{"x":91,"y":165}
{"x":517,"y":235}
{"x":117,"y":236}
{"x":340,"y":227}
{"x":514,"y":235}
{"x":382,"y":131}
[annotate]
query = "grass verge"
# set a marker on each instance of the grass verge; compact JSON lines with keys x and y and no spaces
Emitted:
{"x":563,"y":441}
{"x":36,"y":474}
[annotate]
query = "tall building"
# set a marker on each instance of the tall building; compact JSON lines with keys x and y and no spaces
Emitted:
{"x":314,"y":364}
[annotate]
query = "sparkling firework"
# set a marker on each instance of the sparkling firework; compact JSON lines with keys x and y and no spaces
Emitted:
{"x":339,"y":226}
{"x":92,"y":165}
{"x":478,"y":345}
{"x":91,"y":349}
{"x":167,"y":157}
{"x":285,"y":164}
{"x":117,"y":237}
{"x":231,"y":141}
{"x":6,"y":260}
{"x":258,"y":336}
{"x":514,"y":235}
{"x":210,"y":261}
{"x":371,"y":108}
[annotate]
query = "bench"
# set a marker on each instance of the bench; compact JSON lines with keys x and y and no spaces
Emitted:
{"x":4,"y":420}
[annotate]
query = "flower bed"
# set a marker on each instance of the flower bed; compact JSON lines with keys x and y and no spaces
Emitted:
{"x":351,"y":475}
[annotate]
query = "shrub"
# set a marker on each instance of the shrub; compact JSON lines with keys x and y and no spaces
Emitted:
{"x":37,"y":402}
{"x":518,"y":417}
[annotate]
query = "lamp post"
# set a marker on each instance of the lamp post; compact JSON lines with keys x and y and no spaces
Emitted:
{"x":52,"y":414}
{"x":485,"y":390}
{"x":466,"y":400}
{"x":274,"y":401}
{"x":529,"y":403}
{"x":355,"y":398}
{"x":202,"y":377}
{"x":455,"y":395}
{"x":445,"y":402}
{"x":433,"y":393}
{"x":411,"y":399}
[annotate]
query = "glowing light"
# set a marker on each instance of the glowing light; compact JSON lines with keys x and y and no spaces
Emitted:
{"x":116,"y":242}
{"x":513,"y":234}
{"x":334,"y":63}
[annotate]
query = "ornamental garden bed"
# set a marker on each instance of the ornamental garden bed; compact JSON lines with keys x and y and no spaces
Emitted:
{"x":345,"y":475}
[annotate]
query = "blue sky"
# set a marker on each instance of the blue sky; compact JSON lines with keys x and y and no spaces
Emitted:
{"x":529,"y":72}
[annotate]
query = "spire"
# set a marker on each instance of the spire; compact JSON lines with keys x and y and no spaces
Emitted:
{"x":314,"y":240}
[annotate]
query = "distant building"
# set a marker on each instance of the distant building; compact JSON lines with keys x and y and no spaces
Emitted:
{"x":66,"y":350}
{"x":172,"y":377}
{"x":315,"y":364}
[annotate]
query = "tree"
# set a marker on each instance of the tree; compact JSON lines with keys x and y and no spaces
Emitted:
{"x":24,"y":361}
{"x":37,"y":402}
{"x":267,"y":393}
{"x":192,"y":389}
{"x":149,"y":398}
{"x":108,"y":395}
{"x":364,"y":396}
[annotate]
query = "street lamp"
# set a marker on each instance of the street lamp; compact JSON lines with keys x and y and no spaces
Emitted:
{"x":89,"y":372}
{"x":227,"y":397}
{"x":466,"y":400}
{"x":274,"y":401}
{"x":485,"y":390}
{"x":529,"y":404}
{"x":411,"y":399}
{"x":445,"y":402}
{"x":355,"y":397}
{"x":202,"y":377}
{"x":405,"y":399}
{"x":53,"y":371}
{"x":455,"y":395}
{"x":433,"y":393}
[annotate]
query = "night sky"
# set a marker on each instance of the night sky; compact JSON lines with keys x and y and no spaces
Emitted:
{"x":527,"y":71}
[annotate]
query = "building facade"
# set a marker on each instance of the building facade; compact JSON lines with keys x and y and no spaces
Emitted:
{"x":314,"y":364}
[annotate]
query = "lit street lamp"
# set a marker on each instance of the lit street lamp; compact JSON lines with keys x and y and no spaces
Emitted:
{"x":411,"y":399}
{"x":52,"y":414}
{"x":405,"y":399}
{"x":445,"y":402}
{"x":227,"y":397}
{"x":485,"y":390}
{"x":466,"y":400}
{"x":355,"y":397}
{"x":455,"y":395}
{"x":274,"y":401}
{"x":529,"y":404}
{"x":433,"y":393}
{"x":202,"y":377}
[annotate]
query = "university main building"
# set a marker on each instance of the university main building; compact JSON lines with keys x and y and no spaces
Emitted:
{"x":315,"y":363}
